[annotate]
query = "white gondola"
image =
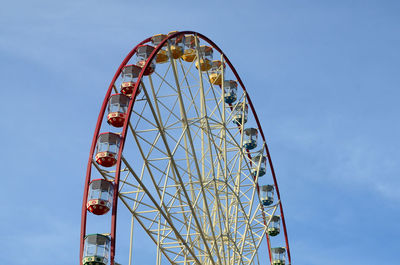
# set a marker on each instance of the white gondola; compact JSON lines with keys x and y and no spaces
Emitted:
{"x":278,"y":256}
{"x":230,"y":91}
{"x":274,"y":226}
{"x":96,"y":250}
{"x":267,"y":195}
{"x":250,"y":138}
{"x":241,"y":111}
{"x":259,"y":166}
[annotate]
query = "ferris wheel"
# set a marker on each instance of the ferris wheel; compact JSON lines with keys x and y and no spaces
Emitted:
{"x":179,"y":147}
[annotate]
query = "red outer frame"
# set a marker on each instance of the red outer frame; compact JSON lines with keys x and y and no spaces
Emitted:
{"x":124,"y":132}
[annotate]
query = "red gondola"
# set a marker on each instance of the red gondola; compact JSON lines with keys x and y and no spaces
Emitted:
{"x":130,"y":73}
{"x":143,"y":53}
{"x":117,"y":106}
{"x":100,"y":196}
{"x":107,"y":148}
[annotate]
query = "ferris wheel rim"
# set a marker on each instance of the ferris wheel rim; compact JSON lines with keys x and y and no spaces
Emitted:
{"x":124,"y":133}
{"x":94,"y":140}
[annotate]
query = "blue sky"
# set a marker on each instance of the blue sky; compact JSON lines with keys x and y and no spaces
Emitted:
{"x":323,"y":76}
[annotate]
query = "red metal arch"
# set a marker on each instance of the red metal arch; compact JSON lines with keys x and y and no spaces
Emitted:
{"x":124,"y":132}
